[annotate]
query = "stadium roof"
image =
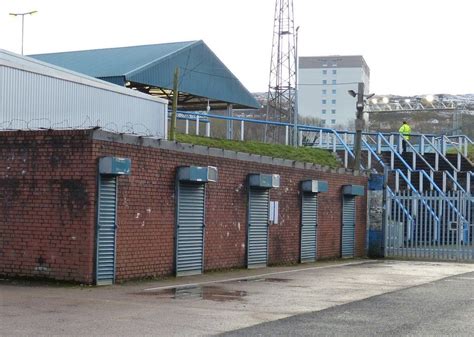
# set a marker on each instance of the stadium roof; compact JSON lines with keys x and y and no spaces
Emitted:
{"x":150,"y":69}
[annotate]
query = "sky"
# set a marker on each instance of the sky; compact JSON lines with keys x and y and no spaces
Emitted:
{"x":413,"y":47}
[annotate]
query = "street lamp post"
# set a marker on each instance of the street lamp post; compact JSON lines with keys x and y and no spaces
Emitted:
{"x":359,"y":121}
{"x":23,"y":24}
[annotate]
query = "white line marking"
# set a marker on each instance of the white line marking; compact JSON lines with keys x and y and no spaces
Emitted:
{"x":255,"y":276}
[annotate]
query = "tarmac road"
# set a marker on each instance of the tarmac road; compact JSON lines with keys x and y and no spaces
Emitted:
{"x":440,"y":308}
{"x":326,"y":298}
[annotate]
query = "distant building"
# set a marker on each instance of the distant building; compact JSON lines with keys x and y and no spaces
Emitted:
{"x":323,"y":82}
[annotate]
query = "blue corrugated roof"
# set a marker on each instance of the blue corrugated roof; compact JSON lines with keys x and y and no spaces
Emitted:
{"x":201,"y":72}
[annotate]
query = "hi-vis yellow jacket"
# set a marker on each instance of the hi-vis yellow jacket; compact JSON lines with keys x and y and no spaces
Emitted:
{"x":405,"y":130}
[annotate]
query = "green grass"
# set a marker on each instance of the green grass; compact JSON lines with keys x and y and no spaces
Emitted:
{"x":470,"y":153}
{"x":303,"y":154}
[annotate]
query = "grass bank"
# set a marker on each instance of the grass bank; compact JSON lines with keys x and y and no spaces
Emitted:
{"x":470,"y":153}
{"x":303,"y":154}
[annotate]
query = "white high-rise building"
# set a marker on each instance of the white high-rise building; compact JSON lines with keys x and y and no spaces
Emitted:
{"x":323,"y":84}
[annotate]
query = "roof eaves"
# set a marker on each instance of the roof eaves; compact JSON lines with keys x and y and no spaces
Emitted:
{"x":149,"y":64}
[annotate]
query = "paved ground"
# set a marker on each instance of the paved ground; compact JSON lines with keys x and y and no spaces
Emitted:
{"x":224,"y":302}
{"x":440,"y":308}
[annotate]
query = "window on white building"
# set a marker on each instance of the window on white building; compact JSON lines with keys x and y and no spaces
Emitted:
{"x":333,"y":121}
{"x":324,"y":91}
{"x":333,"y":111}
{"x":333,"y":81}
{"x":325,"y":81}
{"x":323,"y":111}
{"x":333,"y":101}
{"x":333,"y":91}
{"x":325,"y":72}
{"x":324,"y":101}
{"x":334,"y":71}
{"x":323,"y":122}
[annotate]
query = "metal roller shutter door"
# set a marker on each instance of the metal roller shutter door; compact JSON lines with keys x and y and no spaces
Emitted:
{"x":348,"y":226}
{"x":190,"y":229}
{"x":309,"y":216}
{"x":257,"y":243}
{"x":106,"y":230}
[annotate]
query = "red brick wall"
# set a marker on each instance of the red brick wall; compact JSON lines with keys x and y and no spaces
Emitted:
{"x":47,"y":193}
{"x":48,"y":212}
{"x":146,"y":211}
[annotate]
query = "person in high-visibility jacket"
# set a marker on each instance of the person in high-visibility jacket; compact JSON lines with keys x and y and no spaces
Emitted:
{"x":405,"y":130}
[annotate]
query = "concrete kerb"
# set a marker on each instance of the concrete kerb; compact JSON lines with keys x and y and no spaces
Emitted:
{"x":250,"y":274}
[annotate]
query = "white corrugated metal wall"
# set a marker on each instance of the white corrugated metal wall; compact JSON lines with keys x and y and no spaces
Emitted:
{"x":36,"y":95}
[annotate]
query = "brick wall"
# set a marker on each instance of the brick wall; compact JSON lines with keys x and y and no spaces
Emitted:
{"x":47,"y":193}
{"x":146,"y":211}
{"x":48,"y":213}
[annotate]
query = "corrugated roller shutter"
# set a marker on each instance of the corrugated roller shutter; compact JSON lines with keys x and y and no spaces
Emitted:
{"x":309,"y":218}
{"x":257,"y":244}
{"x":348,"y":226}
{"x":190,"y":229}
{"x":106,"y":229}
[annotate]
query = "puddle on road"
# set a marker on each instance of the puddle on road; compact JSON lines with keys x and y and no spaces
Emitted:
{"x":211,"y":293}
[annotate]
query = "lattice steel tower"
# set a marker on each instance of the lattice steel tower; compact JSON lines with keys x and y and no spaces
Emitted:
{"x":281,"y":98}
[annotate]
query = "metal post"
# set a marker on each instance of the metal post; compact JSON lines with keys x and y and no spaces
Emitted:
{"x":397,"y":181}
{"x":466,"y":145}
{"x":208,"y":129}
{"x":468,"y":182}
{"x":286,"y":134}
{"x":295,"y":117}
{"x":359,"y":125}
{"x":197,"y":125}
{"x":455,"y":176}
{"x":300,"y":138}
{"x":229,"y":123}
{"x":444,"y":182}
{"x":421,"y":183}
{"x":242,"y":130}
{"x":22,"y":32}
{"x":186,"y":130}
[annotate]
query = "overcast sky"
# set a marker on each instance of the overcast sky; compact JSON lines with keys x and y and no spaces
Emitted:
{"x":411,"y":46}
